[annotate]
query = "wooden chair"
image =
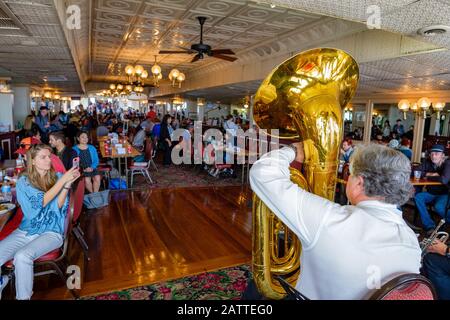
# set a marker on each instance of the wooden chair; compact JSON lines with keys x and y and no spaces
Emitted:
{"x":77,"y":210}
{"x":150,"y":152}
{"x":143,"y":168}
{"x":55,"y":262}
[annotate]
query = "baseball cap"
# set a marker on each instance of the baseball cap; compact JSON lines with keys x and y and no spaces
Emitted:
{"x":393,"y":144}
{"x":438,"y":148}
{"x":25,"y":145}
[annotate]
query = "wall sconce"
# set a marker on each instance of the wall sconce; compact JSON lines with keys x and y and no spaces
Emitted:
{"x":403,"y":105}
{"x":422,"y":105}
{"x":438,"y":106}
{"x":200,"y":102}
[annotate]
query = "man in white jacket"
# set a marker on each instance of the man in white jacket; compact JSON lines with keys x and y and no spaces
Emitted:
{"x":348,"y":251}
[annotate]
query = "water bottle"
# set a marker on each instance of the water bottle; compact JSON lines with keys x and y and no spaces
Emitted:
{"x":6,"y":192}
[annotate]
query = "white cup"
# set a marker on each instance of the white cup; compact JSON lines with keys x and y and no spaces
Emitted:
{"x":417,"y":174}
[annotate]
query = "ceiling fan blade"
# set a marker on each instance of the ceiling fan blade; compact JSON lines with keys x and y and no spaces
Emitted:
{"x":222,"y":51}
{"x":196,"y":58}
{"x":187,"y":49}
{"x":170,"y":52}
{"x":219,"y":56}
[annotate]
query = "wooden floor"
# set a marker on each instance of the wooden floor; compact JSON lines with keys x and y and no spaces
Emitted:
{"x":148,"y":236}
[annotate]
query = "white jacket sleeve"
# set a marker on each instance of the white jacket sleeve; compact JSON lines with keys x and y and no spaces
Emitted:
{"x":303,"y":212}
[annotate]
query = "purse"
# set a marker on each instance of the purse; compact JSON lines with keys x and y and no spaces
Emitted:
{"x":96,"y":200}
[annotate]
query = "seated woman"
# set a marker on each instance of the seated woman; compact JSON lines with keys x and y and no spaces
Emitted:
{"x":88,"y":162}
{"x":42,"y":195}
{"x":347,"y":149}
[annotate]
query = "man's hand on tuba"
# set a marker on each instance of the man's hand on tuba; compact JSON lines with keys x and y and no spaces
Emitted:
{"x":300,"y":157}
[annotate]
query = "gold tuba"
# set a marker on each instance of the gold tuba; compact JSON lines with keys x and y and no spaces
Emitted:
{"x":303,"y":98}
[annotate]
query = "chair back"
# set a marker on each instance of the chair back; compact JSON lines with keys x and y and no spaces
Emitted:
{"x":409,"y":286}
{"x":148,"y":149}
{"x":78,"y":194}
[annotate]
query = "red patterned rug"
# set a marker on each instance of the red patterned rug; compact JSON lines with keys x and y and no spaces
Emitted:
{"x":184,"y":176}
{"x":224,"y":284}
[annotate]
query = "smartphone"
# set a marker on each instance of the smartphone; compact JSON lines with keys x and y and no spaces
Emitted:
{"x":76,"y":162}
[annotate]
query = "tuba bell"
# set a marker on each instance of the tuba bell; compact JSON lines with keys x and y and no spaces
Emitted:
{"x":303,"y":98}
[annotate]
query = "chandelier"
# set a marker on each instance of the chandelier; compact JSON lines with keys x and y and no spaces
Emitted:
{"x":175,"y":75}
{"x":136,"y":75}
{"x":157,"y":74}
{"x":200,"y":102}
{"x":47,"y":95}
{"x":421,"y":106}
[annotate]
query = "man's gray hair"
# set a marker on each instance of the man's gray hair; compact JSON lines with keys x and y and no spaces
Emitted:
{"x":386,"y":172}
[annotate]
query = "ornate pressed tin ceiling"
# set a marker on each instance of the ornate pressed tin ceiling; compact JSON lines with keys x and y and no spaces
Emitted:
{"x":33,"y":46}
{"x":115,"y":33}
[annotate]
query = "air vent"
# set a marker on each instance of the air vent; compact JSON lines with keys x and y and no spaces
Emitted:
{"x":54,"y":78}
{"x":434,"y":30}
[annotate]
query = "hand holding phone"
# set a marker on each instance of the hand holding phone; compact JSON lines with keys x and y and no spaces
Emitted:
{"x":76,"y":162}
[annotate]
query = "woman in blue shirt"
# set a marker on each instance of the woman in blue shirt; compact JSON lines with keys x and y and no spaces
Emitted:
{"x":88,"y":162}
{"x":42,"y":195}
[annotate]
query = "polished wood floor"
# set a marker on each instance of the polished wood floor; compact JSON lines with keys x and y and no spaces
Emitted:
{"x":148,"y":236}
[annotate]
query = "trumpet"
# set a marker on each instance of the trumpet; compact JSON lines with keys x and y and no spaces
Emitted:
{"x":439,"y":235}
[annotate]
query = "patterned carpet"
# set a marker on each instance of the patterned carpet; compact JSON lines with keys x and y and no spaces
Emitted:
{"x":224,"y":284}
{"x":184,"y":176}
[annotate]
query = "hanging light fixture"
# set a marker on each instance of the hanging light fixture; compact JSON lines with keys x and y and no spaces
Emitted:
{"x":138,"y":70}
{"x":157,"y":73}
{"x":181,"y":77}
{"x":129,"y":70}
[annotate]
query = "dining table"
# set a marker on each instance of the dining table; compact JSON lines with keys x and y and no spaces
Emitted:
{"x":111,"y":151}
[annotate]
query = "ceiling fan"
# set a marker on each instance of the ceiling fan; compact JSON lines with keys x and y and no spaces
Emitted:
{"x":202,"y":49}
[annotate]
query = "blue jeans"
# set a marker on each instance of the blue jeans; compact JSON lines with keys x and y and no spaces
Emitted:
{"x":437,"y":269}
{"x":422,"y":199}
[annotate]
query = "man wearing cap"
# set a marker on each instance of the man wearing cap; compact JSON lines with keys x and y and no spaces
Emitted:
{"x":436,"y":168}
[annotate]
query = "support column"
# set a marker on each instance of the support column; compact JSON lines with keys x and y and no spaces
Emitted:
{"x":200,"y":113}
{"x":22,"y":103}
{"x":368,"y":122}
{"x":419,"y":126}
{"x":6,"y":111}
{"x":250,"y":113}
